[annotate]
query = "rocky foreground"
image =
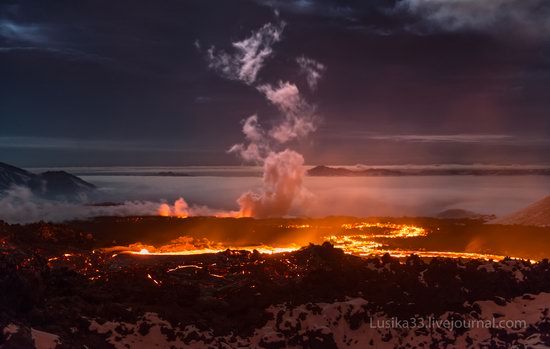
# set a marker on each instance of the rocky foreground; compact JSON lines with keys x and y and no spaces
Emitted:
{"x":60,"y":292}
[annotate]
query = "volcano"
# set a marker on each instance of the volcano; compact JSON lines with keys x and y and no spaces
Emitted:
{"x":50,"y":184}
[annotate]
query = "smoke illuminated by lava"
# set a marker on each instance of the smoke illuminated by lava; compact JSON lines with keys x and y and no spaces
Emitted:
{"x":179,"y":209}
{"x":283,"y":170}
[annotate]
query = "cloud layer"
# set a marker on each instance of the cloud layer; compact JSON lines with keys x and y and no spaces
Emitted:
{"x":20,"y":205}
{"x":529,"y":17}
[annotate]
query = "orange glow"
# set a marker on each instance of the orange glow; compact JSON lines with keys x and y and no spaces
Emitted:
{"x":164,"y":210}
{"x":396,"y":230}
{"x":260,"y":248}
{"x":362,"y":243}
{"x":180,"y":209}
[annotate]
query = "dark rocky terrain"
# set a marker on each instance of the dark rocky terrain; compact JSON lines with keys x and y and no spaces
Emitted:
{"x":59,"y":290}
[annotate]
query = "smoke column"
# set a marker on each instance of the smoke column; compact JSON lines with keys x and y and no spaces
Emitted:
{"x":283,"y":170}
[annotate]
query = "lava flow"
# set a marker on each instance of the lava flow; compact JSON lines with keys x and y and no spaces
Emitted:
{"x":361,"y":239}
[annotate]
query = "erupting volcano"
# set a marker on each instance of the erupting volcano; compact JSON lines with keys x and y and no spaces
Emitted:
{"x":274,"y":174}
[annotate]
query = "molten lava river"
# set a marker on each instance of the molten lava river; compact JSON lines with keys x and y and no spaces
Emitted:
{"x":361,"y":239}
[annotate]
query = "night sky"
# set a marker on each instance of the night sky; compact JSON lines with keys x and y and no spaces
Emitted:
{"x":127,"y":82}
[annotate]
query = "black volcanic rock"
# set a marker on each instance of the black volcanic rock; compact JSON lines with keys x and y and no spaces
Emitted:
{"x":51,"y":184}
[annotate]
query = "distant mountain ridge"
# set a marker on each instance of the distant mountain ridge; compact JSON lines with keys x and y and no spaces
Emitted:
{"x":326,"y":171}
{"x":537,"y":213}
{"x":457,"y":213}
{"x":50,"y":184}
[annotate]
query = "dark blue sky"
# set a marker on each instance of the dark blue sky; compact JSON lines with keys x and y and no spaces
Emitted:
{"x":409,"y":81}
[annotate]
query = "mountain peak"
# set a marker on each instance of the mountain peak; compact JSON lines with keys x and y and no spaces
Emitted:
{"x":50,"y":184}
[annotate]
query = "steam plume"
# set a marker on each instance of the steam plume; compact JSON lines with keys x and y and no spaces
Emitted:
{"x":283,"y":168}
{"x":312,"y":69}
{"x":298,"y":115}
{"x":249,"y":54}
{"x":282,"y":187}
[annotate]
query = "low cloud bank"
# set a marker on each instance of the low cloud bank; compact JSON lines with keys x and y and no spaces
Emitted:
{"x":20,"y":205}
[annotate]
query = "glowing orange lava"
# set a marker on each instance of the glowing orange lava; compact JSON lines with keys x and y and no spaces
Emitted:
{"x":367,"y":240}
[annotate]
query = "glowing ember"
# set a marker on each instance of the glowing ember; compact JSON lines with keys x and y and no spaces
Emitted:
{"x":156,"y":282}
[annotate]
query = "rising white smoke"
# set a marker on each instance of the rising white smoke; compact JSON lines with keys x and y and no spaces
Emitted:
{"x":312,"y":69}
{"x":298,"y":115}
{"x":257,"y":146}
{"x":249,"y":54}
{"x":283,"y":170}
{"x":282,"y":187}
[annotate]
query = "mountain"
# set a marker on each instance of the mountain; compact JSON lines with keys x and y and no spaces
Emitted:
{"x":326,"y":171}
{"x":11,"y":175}
{"x":51,"y":184}
{"x":61,"y":183}
{"x":537,"y":213}
{"x":457,"y":213}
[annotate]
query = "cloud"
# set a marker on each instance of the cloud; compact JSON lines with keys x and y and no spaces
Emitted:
{"x":312,"y":69}
{"x":31,"y":37}
{"x":20,"y":205}
{"x":65,"y":52}
{"x":19,"y":32}
{"x":330,"y":9}
{"x":29,"y":142}
{"x":528,"y":17}
{"x":249,"y":54}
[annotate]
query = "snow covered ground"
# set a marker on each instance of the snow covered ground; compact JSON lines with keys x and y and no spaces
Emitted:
{"x":519,"y":322}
